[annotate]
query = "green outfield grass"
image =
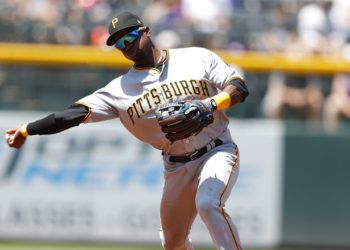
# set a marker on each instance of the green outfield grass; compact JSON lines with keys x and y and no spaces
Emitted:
{"x":14,"y":245}
{"x":22,"y":245}
{"x":76,"y":246}
{"x":80,"y":246}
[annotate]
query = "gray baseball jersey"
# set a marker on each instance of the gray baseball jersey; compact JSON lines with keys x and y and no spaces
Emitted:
{"x":189,"y":73}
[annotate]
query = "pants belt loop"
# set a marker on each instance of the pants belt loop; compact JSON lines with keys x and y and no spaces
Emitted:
{"x":212,"y":145}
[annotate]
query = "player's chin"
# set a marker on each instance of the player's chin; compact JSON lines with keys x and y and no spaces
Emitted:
{"x":133,"y":55}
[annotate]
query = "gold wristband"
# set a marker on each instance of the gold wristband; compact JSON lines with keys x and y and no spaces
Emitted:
{"x":23,"y":130}
{"x":222,"y":100}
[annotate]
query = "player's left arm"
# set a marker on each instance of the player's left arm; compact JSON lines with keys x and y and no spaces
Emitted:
{"x":232,"y":85}
{"x":234,"y":92}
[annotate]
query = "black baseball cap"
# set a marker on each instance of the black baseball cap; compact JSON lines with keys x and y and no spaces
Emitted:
{"x":122,"y":21}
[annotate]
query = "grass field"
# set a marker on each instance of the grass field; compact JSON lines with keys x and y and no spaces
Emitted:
{"x":78,"y":246}
{"x":12,"y":245}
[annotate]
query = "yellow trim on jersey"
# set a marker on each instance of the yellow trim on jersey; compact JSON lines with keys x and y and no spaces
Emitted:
{"x":166,"y":56}
{"x":23,"y":130}
{"x":88,"y":114}
{"x":143,"y":68}
{"x":222,"y":100}
{"x":148,"y":69}
{"x":156,"y":70}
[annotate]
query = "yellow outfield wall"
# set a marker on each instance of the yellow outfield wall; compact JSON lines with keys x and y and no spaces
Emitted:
{"x":73,"y":55}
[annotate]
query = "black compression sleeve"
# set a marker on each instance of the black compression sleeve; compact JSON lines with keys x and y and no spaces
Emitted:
{"x":59,"y":121}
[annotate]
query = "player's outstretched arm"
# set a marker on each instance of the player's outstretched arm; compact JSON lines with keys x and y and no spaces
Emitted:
{"x":51,"y":124}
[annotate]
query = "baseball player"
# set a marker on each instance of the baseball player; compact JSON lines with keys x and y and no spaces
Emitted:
{"x":201,"y":161}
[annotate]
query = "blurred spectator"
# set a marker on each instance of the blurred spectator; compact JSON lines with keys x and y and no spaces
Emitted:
{"x":337,"y":104}
{"x":168,"y":26}
{"x":280,"y":30}
{"x":99,"y":35}
{"x":167,"y":39}
{"x":300,"y":96}
{"x":314,"y":25}
{"x":339,"y":15}
{"x":163,"y":14}
{"x":210,"y":21}
{"x":293,"y":97}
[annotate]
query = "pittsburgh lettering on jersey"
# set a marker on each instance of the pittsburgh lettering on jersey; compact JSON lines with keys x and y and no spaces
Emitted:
{"x":152,"y":98}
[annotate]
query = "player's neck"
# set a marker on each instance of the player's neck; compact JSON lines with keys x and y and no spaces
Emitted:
{"x":152,"y":59}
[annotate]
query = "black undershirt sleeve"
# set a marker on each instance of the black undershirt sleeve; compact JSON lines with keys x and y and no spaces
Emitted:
{"x":59,"y":121}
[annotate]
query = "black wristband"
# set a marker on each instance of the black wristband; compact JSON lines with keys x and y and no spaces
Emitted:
{"x":241,"y":87}
{"x":213,"y":104}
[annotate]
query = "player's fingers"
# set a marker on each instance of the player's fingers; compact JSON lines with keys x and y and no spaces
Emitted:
{"x":11,"y":141}
{"x":11,"y":131}
{"x":8,"y":138}
{"x":17,"y":132}
{"x":15,"y":142}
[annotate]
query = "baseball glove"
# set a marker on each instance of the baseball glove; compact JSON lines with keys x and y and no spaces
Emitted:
{"x":179,"y":120}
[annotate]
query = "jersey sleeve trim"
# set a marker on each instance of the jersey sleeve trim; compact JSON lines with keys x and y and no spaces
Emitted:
{"x":240,"y":85}
{"x":87,"y":116}
{"x":231,"y":79}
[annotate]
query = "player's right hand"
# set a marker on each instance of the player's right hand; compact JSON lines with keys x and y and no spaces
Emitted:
{"x":14,"y":137}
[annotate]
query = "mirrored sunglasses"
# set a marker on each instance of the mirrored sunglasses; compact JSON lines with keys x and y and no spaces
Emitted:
{"x":129,"y":37}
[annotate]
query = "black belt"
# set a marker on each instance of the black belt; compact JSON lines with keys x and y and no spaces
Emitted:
{"x":196,"y":154}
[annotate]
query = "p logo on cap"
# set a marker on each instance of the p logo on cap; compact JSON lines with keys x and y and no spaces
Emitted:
{"x":115,"y":22}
